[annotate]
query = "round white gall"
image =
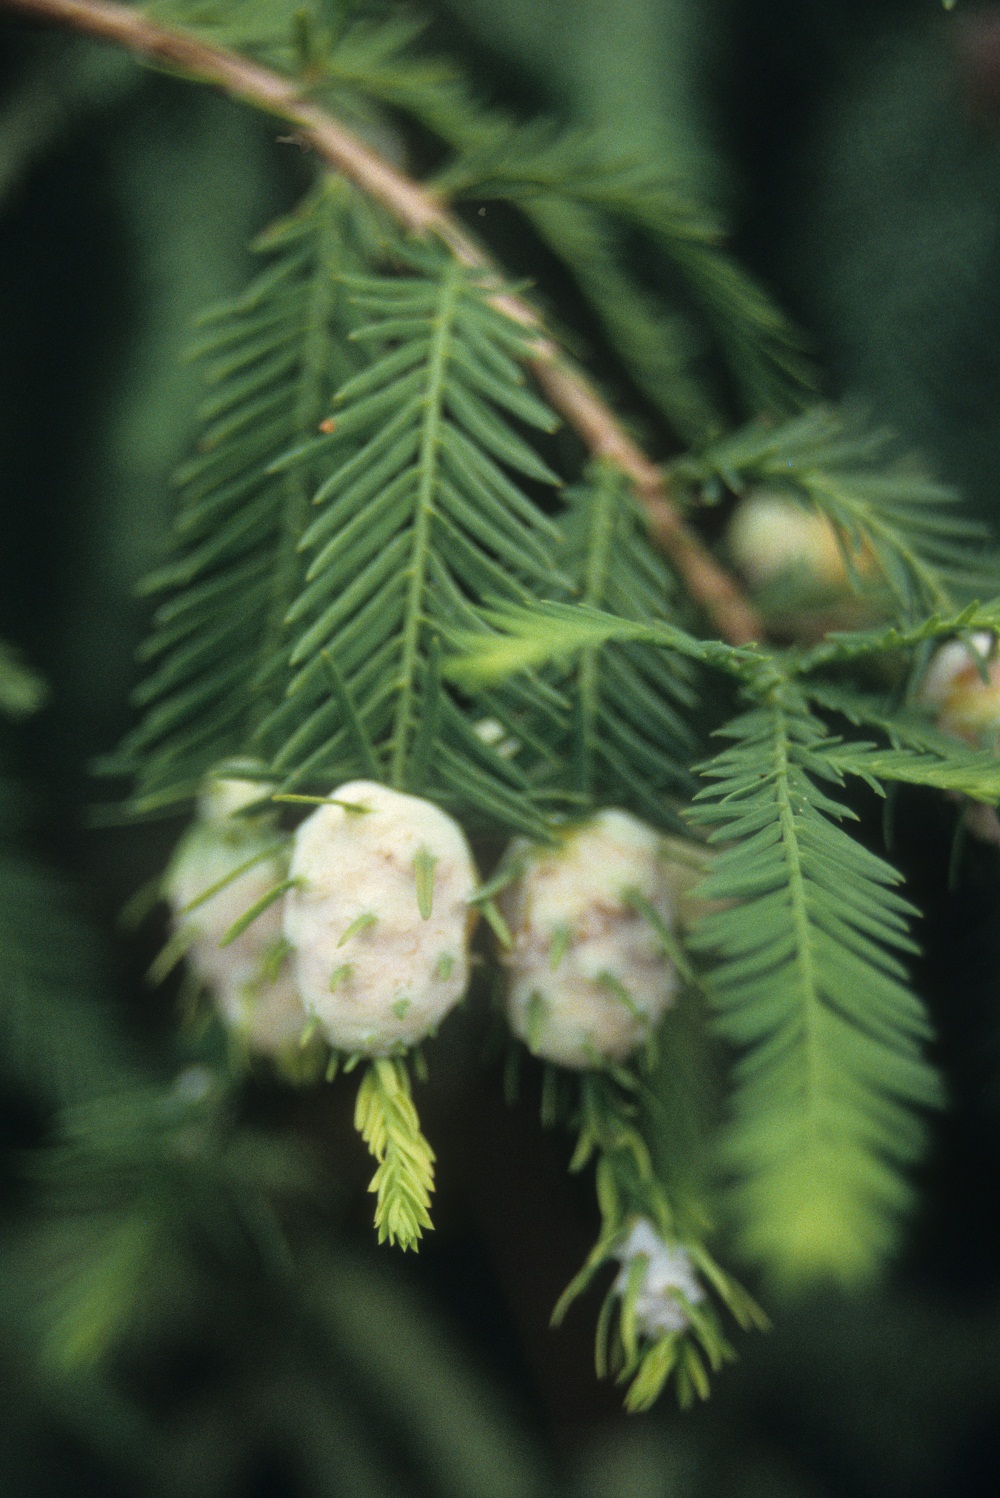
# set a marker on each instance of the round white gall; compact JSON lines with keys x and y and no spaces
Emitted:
{"x":771,"y":535}
{"x":954,"y":689}
{"x":379,"y":918}
{"x":589,"y":978}
{"x":668,"y":1270}
{"x":249,"y":983}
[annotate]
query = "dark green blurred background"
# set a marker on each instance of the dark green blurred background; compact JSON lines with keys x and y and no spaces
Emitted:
{"x":854,"y":147}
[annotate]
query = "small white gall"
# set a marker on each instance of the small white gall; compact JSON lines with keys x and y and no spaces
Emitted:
{"x":771,"y":536}
{"x":954,"y":689}
{"x":379,"y":918}
{"x":494,"y":735}
{"x":589,"y":978}
{"x":668,"y":1270}
{"x":251,"y":985}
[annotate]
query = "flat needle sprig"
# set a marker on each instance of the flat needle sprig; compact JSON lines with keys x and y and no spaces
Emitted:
{"x":421,"y":212}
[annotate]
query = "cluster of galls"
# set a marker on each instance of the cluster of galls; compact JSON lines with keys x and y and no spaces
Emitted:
{"x":360,"y":929}
{"x":367,"y":938}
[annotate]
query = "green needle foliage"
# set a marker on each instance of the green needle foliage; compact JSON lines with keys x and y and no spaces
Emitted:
{"x":606,"y":1115}
{"x":21,"y":691}
{"x":806,"y":951}
{"x":273,"y":357}
{"x":630,"y":739}
{"x":140,"y":1190}
{"x":809,"y":984}
{"x":917,"y":752}
{"x":376,"y":573}
{"x":57,"y":1042}
{"x":420,"y":522}
{"x":527,"y":637}
{"x":584,"y":202}
{"x":896,"y":526}
{"x":387,"y":1121}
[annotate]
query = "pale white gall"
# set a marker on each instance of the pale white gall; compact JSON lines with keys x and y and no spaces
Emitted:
{"x":588,"y":974}
{"x":668,"y":1272}
{"x":379,"y":917}
{"x":250,"y":983}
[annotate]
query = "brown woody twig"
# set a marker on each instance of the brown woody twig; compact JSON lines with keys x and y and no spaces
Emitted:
{"x":418,"y":210}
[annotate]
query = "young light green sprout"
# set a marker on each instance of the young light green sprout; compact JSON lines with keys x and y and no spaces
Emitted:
{"x":589,"y":977}
{"x":668,"y":1270}
{"x":251,"y":984}
{"x":379,"y":917}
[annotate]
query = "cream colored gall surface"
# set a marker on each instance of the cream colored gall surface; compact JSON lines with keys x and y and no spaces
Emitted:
{"x":668,"y":1270}
{"x":955,"y":690}
{"x":771,"y":535}
{"x":375,"y":970}
{"x":263,"y":1005}
{"x":588,"y":977}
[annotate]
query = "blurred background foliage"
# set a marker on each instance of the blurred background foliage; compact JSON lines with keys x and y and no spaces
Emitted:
{"x":853,"y":146}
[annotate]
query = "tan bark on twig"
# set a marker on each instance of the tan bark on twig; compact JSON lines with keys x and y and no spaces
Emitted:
{"x":418,"y":210}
